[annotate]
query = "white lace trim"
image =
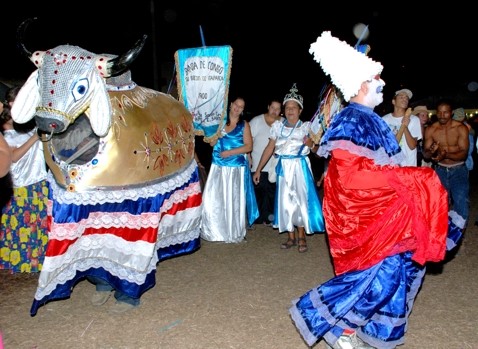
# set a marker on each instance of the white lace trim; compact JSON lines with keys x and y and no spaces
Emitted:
{"x":98,"y":220}
{"x":67,"y":267}
{"x":101,"y":196}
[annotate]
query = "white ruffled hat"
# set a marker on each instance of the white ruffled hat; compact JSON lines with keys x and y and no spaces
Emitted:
{"x":346,"y":66}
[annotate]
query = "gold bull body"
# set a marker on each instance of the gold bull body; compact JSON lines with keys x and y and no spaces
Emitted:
{"x":151,"y":137}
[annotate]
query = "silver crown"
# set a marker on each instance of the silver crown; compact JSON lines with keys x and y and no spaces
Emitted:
{"x":293,"y":96}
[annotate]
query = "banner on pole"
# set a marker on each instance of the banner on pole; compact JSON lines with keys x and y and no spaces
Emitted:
{"x":203,"y":84}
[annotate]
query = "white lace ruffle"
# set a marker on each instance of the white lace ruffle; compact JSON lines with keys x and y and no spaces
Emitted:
{"x":49,"y":280}
{"x":101,"y":195}
{"x":99,"y":220}
{"x":129,"y":260}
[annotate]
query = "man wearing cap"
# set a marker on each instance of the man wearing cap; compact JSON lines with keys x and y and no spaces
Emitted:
{"x":384,"y":221}
{"x":421,"y":111}
{"x":405,"y":126}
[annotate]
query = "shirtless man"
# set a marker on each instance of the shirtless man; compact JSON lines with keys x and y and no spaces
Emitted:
{"x":446,"y":143}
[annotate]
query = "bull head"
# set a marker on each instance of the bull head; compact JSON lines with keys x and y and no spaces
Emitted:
{"x":68,"y":82}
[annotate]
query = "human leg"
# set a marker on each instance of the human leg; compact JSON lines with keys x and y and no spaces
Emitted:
{"x":103,"y":290}
{"x":459,"y":190}
{"x":374,"y":303}
{"x":122,"y":297}
{"x":291,"y":241}
{"x":260,"y":190}
{"x":302,"y":242}
{"x":124,"y":303}
{"x":442,"y":173}
{"x":270,"y":193}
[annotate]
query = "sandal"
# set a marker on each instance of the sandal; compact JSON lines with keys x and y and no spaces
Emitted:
{"x":288,"y":244}
{"x":302,"y":246}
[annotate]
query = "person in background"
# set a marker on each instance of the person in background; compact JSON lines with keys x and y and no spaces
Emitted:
{"x":3,"y":92}
{"x":422,"y":112}
{"x":260,"y":131}
{"x":5,"y":151}
{"x":297,"y":204}
{"x":447,"y":143}
{"x":405,"y":126}
{"x":5,"y":157}
{"x":201,"y":170}
{"x":24,"y":233}
{"x":460,"y":115}
{"x":229,"y":192}
{"x":384,"y":221}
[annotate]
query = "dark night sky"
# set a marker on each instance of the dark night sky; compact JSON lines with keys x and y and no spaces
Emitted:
{"x":429,"y":50}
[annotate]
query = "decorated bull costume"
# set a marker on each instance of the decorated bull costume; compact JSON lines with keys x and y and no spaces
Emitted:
{"x":125,"y":190}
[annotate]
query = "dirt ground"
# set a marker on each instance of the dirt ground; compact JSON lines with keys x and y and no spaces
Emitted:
{"x":235,"y":296}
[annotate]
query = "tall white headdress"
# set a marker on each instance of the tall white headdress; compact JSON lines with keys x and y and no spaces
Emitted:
{"x":346,"y":66}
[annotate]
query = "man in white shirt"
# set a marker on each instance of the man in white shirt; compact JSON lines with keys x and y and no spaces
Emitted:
{"x":405,"y":126}
{"x":260,"y":130}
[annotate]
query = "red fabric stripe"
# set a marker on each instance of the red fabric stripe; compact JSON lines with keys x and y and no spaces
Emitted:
{"x":192,"y":201}
{"x":58,"y":247}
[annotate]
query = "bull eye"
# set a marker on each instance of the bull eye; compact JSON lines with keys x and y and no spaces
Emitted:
{"x":80,"y":88}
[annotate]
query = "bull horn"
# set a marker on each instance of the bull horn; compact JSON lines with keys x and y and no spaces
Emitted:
{"x":21,"y":34}
{"x":118,"y":65}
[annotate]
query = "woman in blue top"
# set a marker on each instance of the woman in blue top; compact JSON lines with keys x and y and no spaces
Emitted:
{"x":229,"y":191}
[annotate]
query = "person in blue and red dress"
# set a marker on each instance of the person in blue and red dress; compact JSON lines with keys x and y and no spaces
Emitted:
{"x":384,"y":222}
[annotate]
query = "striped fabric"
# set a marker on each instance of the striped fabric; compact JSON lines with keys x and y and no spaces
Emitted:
{"x":118,"y":235}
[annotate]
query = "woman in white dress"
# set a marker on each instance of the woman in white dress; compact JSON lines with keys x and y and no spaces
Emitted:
{"x":297,"y":203}
{"x":229,"y":191}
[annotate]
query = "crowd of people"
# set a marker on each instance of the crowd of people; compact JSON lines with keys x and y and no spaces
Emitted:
{"x":396,"y":196}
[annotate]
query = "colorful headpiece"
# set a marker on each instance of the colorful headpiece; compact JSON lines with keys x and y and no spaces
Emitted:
{"x":346,"y":66}
{"x":293,"y":96}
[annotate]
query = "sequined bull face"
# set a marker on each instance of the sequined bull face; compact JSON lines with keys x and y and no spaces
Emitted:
{"x":69,"y":82}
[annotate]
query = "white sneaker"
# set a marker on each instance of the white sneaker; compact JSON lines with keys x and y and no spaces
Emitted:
{"x":349,"y":341}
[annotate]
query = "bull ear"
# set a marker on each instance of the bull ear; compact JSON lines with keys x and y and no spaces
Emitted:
{"x":37,"y":58}
{"x":27,"y":100}
{"x":100,"y":113}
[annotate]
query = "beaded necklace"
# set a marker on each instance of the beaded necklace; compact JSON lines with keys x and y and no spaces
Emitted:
{"x":282,"y":129}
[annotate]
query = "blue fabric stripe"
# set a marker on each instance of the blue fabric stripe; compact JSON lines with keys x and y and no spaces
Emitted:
{"x":70,"y":213}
